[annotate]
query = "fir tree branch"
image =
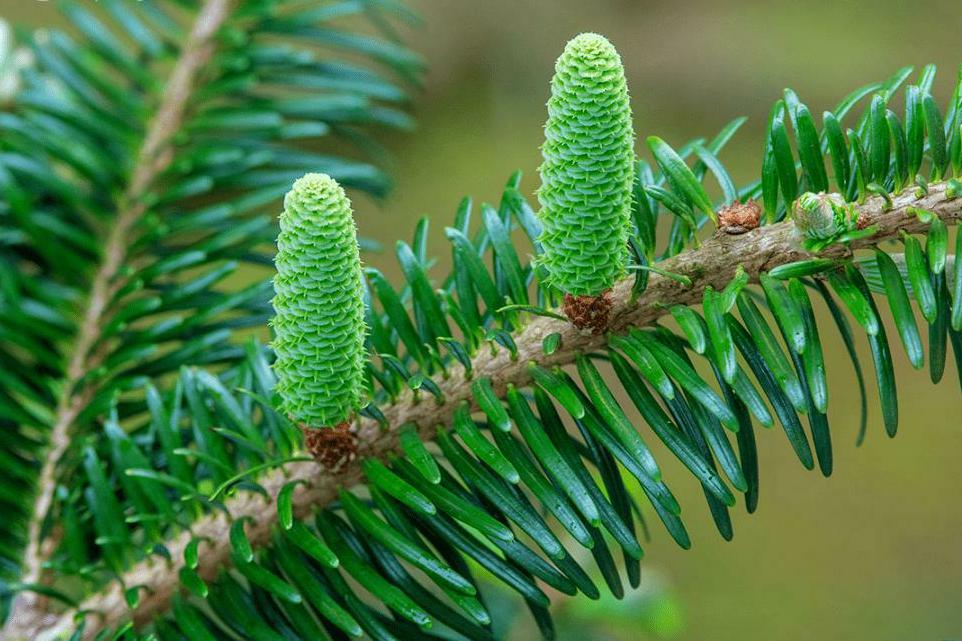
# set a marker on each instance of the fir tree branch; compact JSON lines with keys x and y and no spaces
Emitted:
{"x":153,"y":159}
{"x":712,"y":264}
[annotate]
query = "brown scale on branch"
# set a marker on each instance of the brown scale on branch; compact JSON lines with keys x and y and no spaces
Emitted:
{"x":332,"y":447}
{"x":739,"y":218}
{"x":713,"y":264}
{"x":589,"y":312}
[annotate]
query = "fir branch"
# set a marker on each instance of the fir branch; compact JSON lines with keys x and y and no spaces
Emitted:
{"x":713,"y":264}
{"x":154,"y":158}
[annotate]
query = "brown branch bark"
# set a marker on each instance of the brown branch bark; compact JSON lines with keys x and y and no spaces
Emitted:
{"x":154,"y":156}
{"x":713,"y":264}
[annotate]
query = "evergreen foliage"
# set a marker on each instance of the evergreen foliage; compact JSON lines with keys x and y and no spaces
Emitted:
{"x":181,"y":500}
{"x":131,"y":198}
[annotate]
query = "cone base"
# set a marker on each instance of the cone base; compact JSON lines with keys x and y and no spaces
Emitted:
{"x":589,"y":312}
{"x":332,"y":447}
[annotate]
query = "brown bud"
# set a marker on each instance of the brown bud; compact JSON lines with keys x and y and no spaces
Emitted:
{"x":332,"y":447}
{"x":739,"y":218}
{"x":862,"y":221}
{"x":589,"y":312}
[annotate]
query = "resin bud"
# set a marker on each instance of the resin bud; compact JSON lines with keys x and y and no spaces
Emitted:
{"x":822,"y":216}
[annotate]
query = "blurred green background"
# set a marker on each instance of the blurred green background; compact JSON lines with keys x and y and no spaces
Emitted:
{"x":873,"y":552}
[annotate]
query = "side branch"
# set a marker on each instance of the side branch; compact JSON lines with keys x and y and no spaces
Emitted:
{"x":713,"y":264}
{"x":154,"y":156}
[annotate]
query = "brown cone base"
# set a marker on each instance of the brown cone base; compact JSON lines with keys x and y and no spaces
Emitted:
{"x":589,"y":312}
{"x":332,"y":447}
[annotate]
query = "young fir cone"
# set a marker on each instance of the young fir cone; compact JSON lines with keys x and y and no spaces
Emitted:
{"x":586,"y":178}
{"x":319,"y":316}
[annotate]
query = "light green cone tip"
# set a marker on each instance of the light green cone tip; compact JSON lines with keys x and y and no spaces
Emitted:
{"x":318,"y":305}
{"x":588,"y":169}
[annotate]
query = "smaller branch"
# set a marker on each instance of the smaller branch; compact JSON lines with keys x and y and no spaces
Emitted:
{"x":713,"y":264}
{"x":153,"y":159}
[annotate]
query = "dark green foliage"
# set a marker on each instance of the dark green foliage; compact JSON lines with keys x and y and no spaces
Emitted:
{"x":69,"y":142}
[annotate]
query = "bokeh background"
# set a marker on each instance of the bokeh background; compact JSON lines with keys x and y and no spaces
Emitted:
{"x":874,"y":552}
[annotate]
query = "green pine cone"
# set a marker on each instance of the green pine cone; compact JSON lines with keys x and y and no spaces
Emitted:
{"x":588,"y":169}
{"x":318,"y":306}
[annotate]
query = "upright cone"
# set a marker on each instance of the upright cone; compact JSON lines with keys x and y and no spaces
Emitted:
{"x":588,"y":169}
{"x":318,"y":305}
